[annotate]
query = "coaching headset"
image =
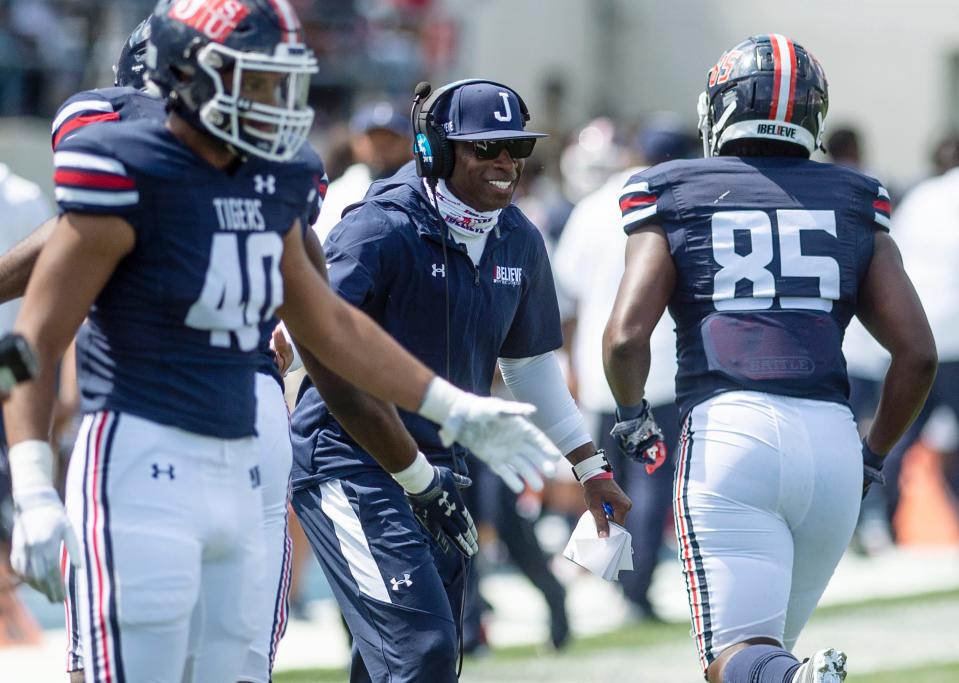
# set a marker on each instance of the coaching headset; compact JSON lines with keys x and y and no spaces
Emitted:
{"x":431,"y":147}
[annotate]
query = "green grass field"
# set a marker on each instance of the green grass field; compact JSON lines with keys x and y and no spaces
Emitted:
{"x":633,"y":643}
{"x":947,"y":673}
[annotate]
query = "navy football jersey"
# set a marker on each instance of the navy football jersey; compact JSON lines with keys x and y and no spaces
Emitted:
{"x":174,"y":336}
{"x":129,"y":104}
{"x":769,"y":255}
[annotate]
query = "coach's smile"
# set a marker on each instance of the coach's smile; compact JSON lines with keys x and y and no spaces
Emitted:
{"x":484,"y":184}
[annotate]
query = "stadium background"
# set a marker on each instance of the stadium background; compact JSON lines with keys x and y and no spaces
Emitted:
{"x":893,"y":69}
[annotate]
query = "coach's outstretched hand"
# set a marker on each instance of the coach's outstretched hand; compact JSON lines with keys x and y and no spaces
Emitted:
{"x":496,"y":431}
{"x":442,"y":512}
{"x":40,"y":522}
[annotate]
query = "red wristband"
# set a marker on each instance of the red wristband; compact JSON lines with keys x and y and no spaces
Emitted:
{"x":601,"y":475}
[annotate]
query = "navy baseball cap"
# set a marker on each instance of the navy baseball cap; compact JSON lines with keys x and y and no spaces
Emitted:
{"x":381,"y":115}
{"x":482,"y":111}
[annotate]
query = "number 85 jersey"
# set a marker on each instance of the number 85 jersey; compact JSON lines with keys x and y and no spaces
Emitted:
{"x":769,"y":255}
{"x":173,"y":335}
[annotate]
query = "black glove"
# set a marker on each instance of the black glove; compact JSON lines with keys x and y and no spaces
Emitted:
{"x":442,"y":512}
{"x":640,"y":438}
{"x":871,"y":469}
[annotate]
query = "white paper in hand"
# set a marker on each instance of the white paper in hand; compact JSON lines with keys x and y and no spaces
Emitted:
{"x":605,"y":557}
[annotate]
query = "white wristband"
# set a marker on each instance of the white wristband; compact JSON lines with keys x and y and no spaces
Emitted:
{"x":417,"y":477}
{"x":438,"y":400}
{"x":592,"y":473}
{"x":31,"y":466}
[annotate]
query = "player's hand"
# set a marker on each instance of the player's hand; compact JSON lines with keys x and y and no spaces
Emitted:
{"x":442,"y":512}
{"x":498,"y":433}
{"x":641,"y":439}
{"x":40,"y":525}
{"x":282,"y":350}
{"x":871,"y":469}
{"x":600,"y":493}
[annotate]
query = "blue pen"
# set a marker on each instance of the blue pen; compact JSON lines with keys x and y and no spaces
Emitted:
{"x":608,"y":509}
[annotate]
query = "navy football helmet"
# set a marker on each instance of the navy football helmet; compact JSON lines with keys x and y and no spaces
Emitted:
{"x":767,"y":87}
{"x":208,"y":57}
{"x":129,"y":69}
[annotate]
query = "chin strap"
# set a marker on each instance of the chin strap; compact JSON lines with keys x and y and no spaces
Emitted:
{"x":702,"y":108}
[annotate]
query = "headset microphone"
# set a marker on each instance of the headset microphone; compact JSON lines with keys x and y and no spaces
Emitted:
{"x":422,"y":91}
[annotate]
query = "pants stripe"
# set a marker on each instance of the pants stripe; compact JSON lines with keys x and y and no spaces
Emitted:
{"x":92,"y":660}
{"x":282,"y":606}
{"x":104,"y":645}
{"x":108,"y":556}
{"x":74,"y":661}
{"x":352,"y":539}
{"x":689,"y":553}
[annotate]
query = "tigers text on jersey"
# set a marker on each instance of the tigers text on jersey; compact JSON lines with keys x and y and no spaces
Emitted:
{"x":174,"y":335}
{"x":769,"y":255}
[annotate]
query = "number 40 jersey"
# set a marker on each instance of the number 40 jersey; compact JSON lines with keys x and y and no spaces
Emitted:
{"x":173,"y":336}
{"x":769,"y":255}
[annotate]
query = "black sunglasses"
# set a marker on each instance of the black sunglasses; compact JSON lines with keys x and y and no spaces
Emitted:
{"x":517,"y":148}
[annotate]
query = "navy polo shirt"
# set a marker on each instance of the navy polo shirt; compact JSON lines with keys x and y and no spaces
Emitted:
{"x":386,"y":257}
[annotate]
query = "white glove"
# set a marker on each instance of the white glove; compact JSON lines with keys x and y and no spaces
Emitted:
{"x":40,"y":522}
{"x":496,"y":431}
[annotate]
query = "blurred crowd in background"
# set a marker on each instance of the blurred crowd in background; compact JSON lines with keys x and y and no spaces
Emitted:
{"x":372,"y":53}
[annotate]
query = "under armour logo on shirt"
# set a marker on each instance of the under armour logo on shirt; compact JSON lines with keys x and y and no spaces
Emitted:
{"x":444,"y":502}
{"x":166,"y":471}
{"x":405,"y":581}
{"x":264,"y":183}
{"x":439,"y":270}
{"x":254,"y":476}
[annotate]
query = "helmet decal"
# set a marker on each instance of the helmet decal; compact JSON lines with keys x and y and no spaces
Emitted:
{"x":216,"y":19}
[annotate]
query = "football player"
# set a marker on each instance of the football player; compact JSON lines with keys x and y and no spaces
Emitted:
{"x":763,"y":256}
{"x":179,"y":239}
{"x":130,"y":100}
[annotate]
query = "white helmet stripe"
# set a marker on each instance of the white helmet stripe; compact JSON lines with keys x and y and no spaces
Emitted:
{"x":288,"y":19}
{"x":783,"y":56}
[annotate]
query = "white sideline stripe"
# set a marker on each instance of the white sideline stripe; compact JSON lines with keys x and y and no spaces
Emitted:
{"x":883,"y":192}
{"x":636,"y":187}
{"x":90,"y":161}
{"x":349,"y":532}
{"x":882,"y":220}
{"x":96,"y":197}
{"x":638,"y":215}
{"x":76,"y":107}
{"x":786,"y":74}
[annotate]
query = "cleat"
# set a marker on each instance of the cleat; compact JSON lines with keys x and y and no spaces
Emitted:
{"x":825,"y":666}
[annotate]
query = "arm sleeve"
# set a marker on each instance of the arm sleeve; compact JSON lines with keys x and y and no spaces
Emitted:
{"x":535,"y":328}
{"x":539,"y":380}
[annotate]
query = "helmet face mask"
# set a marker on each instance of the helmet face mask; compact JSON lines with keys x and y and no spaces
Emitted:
{"x":272,"y":127}
{"x":765,"y":88}
{"x":243,"y":79}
